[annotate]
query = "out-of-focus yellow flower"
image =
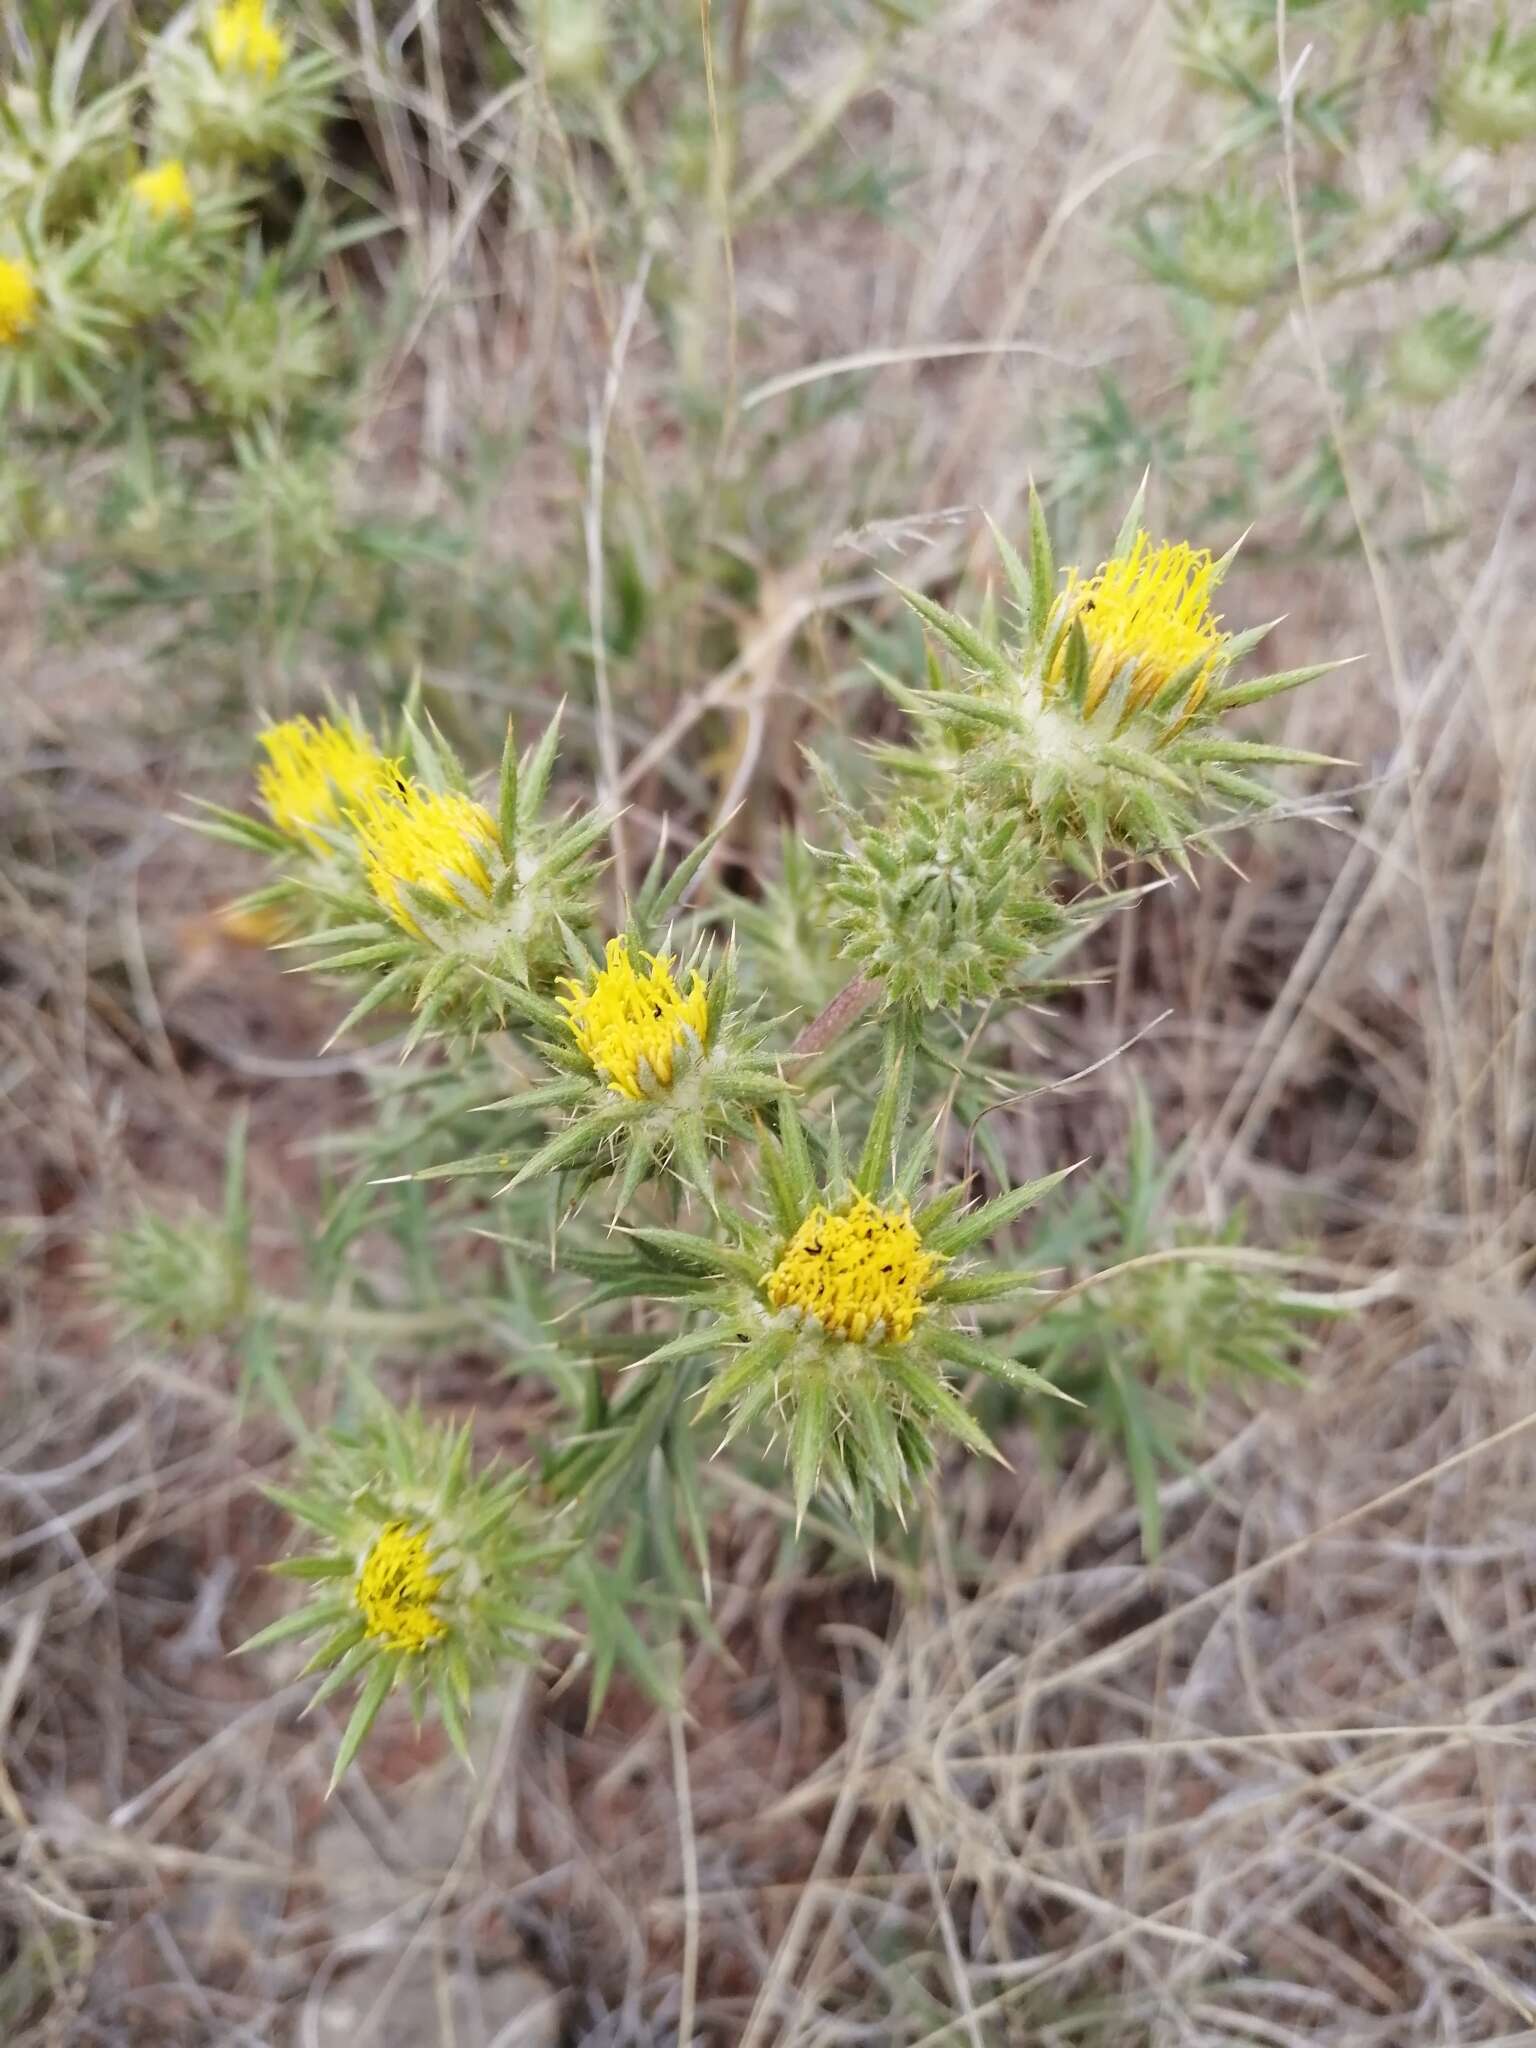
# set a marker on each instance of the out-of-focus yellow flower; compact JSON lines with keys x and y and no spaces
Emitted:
{"x":162,"y":190}
{"x":1149,"y":609}
{"x":861,"y":1273}
{"x":426,"y":839}
{"x":18,"y":301}
{"x":242,"y":38}
{"x":314,"y":773}
{"x":631,"y":1025}
{"x":396,"y":1588}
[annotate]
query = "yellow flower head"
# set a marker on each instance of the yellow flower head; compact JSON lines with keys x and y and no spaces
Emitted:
{"x":1150,"y":609}
{"x":425,"y":839}
{"x":631,"y":1025}
{"x":242,"y":38}
{"x":162,"y":190}
{"x":396,"y":1587}
{"x":18,"y":301}
{"x":314,"y":773}
{"x":861,"y":1273}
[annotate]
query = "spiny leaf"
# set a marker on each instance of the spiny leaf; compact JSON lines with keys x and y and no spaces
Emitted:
{"x":364,"y":1714}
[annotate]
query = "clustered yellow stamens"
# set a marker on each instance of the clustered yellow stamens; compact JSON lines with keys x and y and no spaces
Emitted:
{"x":18,"y":301}
{"x":861,"y":1273}
{"x":313,"y":773}
{"x":242,"y":38}
{"x":396,"y":1588}
{"x":162,"y":190}
{"x":632,"y":1024}
{"x":1150,"y":611}
{"x":430,"y":840}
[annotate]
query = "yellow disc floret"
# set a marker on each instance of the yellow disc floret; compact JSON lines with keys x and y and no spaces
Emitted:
{"x":242,"y":38}
{"x":18,"y":301}
{"x":314,"y":773}
{"x":861,"y":1272}
{"x":1149,"y":610}
{"x":435,"y":841}
{"x":631,"y":1023}
{"x":396,"y":1587}
{"x":162,"y":190}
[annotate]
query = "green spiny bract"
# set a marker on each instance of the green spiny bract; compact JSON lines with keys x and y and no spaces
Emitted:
{"x":1230,"y":245}
{"x":262,"y":348}
{"x":175,"y":1278}
{"x":1432,"y":357}
{"x":1226,"y":43}
{"x":943,"y":902}
{"x":787,"y":950}
{"x":185,"y":1278}
{"x":431,"y":1576}
{"x":1100,"y":717}
{"x":836,"y":1317}
{"x":1490,"y":98}
{"x":59,"y":147}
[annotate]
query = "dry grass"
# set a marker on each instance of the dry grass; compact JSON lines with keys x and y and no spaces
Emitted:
{"x":1277,"y":1789}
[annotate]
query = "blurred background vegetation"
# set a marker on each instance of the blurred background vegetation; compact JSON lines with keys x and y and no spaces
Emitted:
{"x":619,"y":356}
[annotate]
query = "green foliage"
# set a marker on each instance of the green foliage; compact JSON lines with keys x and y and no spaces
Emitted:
{"x":691,"y":1129}
{"x":1178,"y":1311}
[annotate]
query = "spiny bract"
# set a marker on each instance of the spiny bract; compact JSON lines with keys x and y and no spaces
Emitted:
{"x":942,"y":902}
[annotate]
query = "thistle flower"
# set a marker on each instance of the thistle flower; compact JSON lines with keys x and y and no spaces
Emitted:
{"x":943,"y":903}
{"x":55,"y":321}
{"x":316,"y":774}
{"x":425,"y":844}
{"x":432,"y":1575}
{"x":163,"y":190}
{"x":241,"y":37}
{"x":18,"y":301}
{"x":636,"y":1027}
{"x":1433,"y":356}
{"x":1101,"y":720}
{"x":241,"y":95}
{"x":1490,"y":100}
{"x":458,"y":909}
{"x":836,"y":1318}
{"x":656,"y":1061}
